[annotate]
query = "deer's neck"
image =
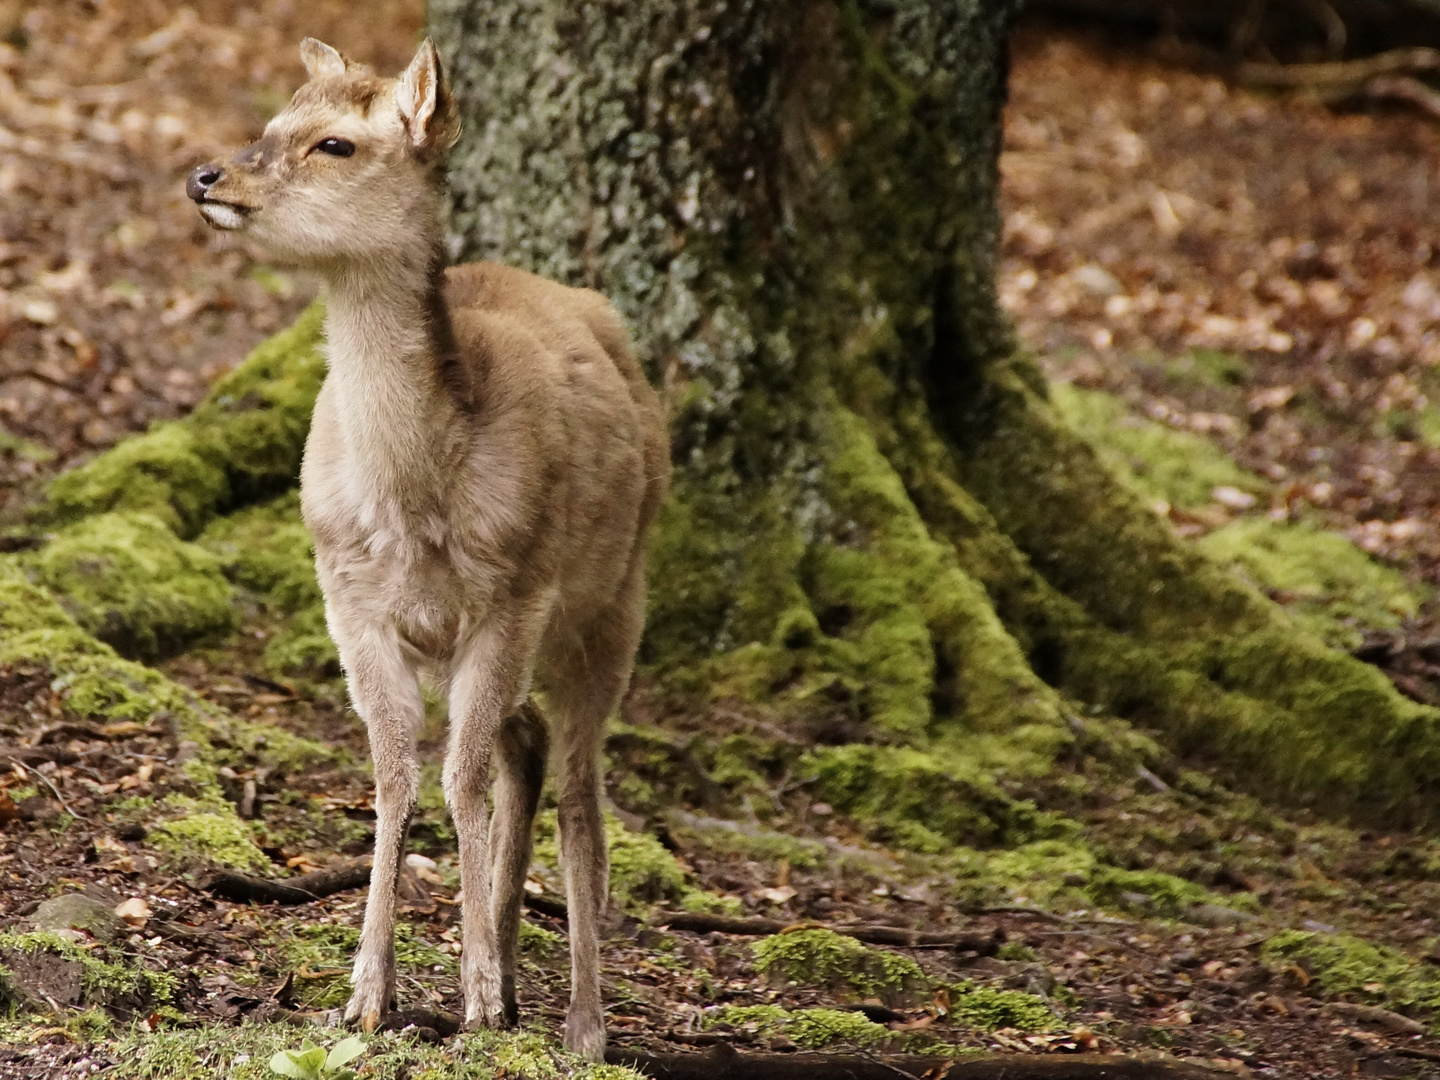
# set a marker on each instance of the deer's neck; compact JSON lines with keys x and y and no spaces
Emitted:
{"x":388,"y":353}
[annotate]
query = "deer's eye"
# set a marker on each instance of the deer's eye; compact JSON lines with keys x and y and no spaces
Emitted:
{"x":334,"y":147}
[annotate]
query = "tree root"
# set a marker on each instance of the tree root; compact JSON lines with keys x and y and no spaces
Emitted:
{"x":1340,"y":72}
{"x":982,"y":944}
{"x":244,"y":889}
{"x":722,"y":1062}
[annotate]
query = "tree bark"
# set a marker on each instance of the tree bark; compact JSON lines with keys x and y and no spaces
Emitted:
{"x":875,"y":513}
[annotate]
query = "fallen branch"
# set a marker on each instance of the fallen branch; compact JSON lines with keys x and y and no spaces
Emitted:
{"x":1340,"y":72}
{"x":244,"y":889}
{"x":722,"y":1062}
{"x":986,"y":944}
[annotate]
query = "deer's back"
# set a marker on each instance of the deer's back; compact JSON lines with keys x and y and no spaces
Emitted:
{"x":556,"y":362}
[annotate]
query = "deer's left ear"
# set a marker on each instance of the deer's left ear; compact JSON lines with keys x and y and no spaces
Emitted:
{"x":426,"y":104}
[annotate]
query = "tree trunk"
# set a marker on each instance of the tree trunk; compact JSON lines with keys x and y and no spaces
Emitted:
{"x":876,"y":516}
{"x":881,"y":543}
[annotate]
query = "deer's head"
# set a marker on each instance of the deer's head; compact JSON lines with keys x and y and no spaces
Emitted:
{"x":349,"y":170}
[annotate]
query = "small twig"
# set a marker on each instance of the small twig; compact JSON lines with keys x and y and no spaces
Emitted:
{"x":53,"y":789}
{"x":297,"y":890}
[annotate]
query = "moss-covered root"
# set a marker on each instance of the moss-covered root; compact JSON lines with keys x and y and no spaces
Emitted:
{"x":241,"y":443}
{"x":1115,"y":610}
{"x":132,"y":583}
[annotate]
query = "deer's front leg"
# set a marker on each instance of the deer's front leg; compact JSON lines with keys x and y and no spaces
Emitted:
{"x":490,"y":680}
{"x":386,"y":694}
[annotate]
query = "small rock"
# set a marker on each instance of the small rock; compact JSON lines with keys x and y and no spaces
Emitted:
{"x":76,"y":911}
{"x":1136,"y":901}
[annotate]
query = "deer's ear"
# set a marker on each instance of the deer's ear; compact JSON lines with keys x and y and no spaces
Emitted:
{"x":426,"y":104}
{"x":321,"y":61}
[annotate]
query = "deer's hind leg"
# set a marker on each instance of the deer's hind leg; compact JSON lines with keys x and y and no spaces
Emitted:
{"x":585,"y":682}
{"x":519,"y":775}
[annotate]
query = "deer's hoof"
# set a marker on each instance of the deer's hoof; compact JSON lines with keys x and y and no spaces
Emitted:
{"x":585,"y":1035}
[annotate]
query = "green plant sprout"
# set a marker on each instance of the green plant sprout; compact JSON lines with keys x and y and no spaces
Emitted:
{"x":311,"y":1062}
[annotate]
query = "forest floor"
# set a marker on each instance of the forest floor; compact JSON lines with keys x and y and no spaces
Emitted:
{"x":1259,"y":275}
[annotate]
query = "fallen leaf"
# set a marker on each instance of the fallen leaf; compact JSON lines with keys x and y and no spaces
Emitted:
{"x":134,"y":911}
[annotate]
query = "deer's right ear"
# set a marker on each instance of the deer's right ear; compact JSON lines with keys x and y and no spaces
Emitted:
{"x":321,"y":61}
{"x":426,"y":104}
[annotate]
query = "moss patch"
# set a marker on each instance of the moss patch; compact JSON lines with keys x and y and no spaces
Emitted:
{"x":823,"y":959}
{"x":926,"y":801}
{"x":1324,"y":579}
{"x":216,"y":836}
{"x":806,"y":1028}
{"x":267,"y":551}
{"x":1160,"y":463}
{"x":242,"y":1053}
{"x":1342,"y":966}
{"x":132,"y":583}
{"x":988,"y":1009}
{"x":107,"y":977}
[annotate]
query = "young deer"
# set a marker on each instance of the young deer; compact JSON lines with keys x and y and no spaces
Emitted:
{"x":484,"y":461}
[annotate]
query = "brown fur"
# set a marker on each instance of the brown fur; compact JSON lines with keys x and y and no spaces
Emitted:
{"x":484,"y":461}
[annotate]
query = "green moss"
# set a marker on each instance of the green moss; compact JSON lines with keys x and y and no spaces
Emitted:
{"x":241,"y":443}
{"x":810,"y":1029}
{"x":1116,"y":611}
{"x":1341,"y":966}
{"x":1037,"y":871}
{"x":1160,"y":463}
{"x":1334,"y":587}
{"x":218,"y":837}
{"x":823,"y":959}
{"x":949,"y":797}
{"x":987,"y":1009}
{"x":107,"y":978}
{"x":243,"y":1051}
{"x":267,"y":550}
{"x":538,"y":941}
{"x":129,"y":581}
{"x":1170,"y":896}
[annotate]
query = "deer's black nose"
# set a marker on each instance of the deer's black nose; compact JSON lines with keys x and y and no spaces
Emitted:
{"x":199,"y":182}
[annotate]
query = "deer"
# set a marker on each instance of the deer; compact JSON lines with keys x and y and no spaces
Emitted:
{"x":484,"y":461}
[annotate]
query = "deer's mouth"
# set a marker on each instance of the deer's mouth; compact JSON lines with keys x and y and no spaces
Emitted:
{"x":224,"y":215}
